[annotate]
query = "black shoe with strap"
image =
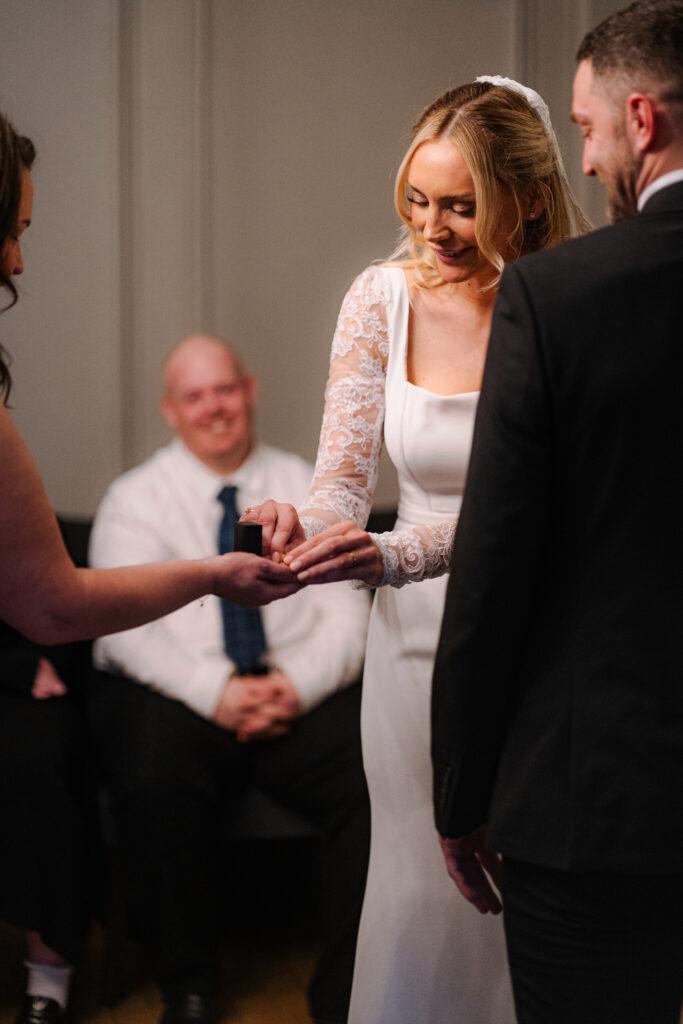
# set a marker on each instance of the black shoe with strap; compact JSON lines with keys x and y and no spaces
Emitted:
{"x":40,"y":1010}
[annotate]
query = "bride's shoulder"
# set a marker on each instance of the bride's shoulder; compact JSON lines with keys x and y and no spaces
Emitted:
{"x":378,"y":283}
{"x":364,"y":318}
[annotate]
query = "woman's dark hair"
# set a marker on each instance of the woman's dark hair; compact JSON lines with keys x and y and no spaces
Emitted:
{"x":17,"y":154}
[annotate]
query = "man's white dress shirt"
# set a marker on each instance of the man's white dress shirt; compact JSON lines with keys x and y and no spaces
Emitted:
{"x":168,"y":508}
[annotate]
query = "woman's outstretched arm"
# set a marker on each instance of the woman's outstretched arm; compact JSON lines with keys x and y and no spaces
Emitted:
{"x":46,"y":598}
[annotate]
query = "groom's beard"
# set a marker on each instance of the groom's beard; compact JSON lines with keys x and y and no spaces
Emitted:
{"x":622,"y":198}
{"x":620,"y":180}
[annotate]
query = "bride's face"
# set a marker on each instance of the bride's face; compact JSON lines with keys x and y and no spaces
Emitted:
{"x":442,"y":200}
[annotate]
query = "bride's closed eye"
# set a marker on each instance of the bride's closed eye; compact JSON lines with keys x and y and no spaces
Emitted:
{"x":415,"y":198}
{"x":463,"y":207}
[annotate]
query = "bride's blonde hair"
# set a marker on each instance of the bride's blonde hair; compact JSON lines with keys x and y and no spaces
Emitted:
{"x":508,"y":152}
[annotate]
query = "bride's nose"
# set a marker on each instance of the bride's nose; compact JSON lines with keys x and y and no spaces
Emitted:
{"x":435,"y":226}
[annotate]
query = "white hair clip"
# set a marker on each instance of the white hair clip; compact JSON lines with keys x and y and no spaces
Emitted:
{"x":535,"y":101}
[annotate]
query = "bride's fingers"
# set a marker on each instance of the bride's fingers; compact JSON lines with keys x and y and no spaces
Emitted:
{"x":312,"y":555}
{"x":314,"y":542}
{"x":285,"y":532}
{"x":345,"y":561}
{"x":301,"y":550}
{"x":341,"y":552}
{"x":322,"y":548}
{"x":332,"y":571}
{"x":362,"y":563}
{"x":279,"y":523}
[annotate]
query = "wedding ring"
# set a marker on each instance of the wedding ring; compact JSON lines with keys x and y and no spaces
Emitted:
{"x":353,"y":558}
{"x":247,"y":511}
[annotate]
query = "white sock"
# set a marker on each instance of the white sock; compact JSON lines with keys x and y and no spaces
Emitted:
{"x":52,"y":981}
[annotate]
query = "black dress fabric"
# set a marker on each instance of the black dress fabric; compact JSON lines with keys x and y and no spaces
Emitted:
{"x":49,"y":856}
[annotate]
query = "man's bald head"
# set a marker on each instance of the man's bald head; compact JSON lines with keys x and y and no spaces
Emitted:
{"x":208,"y":401}
{"x":188,"y":347}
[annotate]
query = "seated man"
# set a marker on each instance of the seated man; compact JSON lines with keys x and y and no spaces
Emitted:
{"x":266,"y":700}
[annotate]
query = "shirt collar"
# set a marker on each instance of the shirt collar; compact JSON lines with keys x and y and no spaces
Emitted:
{"x":207,"y":483}
{"x":659,"y":183}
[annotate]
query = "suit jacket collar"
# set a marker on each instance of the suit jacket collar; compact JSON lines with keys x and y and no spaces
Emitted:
{"x":669,"y":198}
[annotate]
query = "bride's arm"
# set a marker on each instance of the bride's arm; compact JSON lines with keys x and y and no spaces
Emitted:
{"x":351,"y":435}
{"x":348,"y":456}
{"x":336,"y":545}
{"x":345,"y":551}
{"x":352,"y":429}
{"x":416,"y":553}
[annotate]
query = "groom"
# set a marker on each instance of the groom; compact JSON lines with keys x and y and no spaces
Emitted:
{"x":558,"y":687}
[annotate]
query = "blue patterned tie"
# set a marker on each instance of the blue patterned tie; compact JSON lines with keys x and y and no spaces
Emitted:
{"x":242,"y":627}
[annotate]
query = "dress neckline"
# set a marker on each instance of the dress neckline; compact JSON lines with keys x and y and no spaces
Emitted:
{"x":418,"y":387}
{"x":435,"y":394}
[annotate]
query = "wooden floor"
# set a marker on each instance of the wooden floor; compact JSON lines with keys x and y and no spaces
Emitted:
{"x":270,"y":949}
{"x":264,"y":982}
{"x":265,"y":976}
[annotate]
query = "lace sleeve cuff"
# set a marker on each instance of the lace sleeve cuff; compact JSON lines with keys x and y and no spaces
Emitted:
{"x":312,"y":526}
{"x":420,"y":553}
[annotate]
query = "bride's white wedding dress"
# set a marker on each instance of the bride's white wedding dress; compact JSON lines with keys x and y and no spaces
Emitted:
{"x":424,"y":955}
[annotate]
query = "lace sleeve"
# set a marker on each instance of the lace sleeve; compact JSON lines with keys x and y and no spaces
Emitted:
{"x":351,"y":434}
{"x":351,"y":439}
{"x":417,"y":553}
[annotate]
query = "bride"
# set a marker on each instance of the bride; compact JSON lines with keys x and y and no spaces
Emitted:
{"x":482,"y":182}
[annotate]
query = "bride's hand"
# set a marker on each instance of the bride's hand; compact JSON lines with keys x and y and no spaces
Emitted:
{"x":280,"y":524}
{"x":342,"y":552}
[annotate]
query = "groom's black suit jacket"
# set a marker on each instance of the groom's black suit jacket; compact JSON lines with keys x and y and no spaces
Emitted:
{"x":558,"y":686}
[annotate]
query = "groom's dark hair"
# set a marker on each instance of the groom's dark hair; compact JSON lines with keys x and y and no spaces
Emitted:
{"x":640,"y":47}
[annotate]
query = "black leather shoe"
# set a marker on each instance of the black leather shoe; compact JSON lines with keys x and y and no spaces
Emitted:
{"x":190,"y":1008}
{"x":40,"y":1010}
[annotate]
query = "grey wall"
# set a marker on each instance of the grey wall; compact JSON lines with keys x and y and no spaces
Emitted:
{"x":224,"y":165}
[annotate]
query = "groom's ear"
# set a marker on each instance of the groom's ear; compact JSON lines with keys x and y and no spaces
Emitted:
{"x":641,"y":121}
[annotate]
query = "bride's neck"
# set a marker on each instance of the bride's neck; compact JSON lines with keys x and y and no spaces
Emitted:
{"x":476,"y":294}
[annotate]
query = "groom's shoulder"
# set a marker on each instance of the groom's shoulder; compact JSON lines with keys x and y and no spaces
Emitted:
{"x":592,"y":261}
{"x":588,"y":248}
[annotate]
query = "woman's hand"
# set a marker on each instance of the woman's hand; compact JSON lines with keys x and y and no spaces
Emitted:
{"x":280,"y":524}
{"x":251,"y":581}
{"x":343,"y":552}
{"x":46,"y":682}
